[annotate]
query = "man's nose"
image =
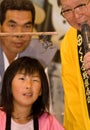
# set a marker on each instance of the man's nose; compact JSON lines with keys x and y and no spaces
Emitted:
{"x":19,"y":31}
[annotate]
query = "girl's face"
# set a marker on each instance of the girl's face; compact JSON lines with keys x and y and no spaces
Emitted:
{"x":26,"y":89}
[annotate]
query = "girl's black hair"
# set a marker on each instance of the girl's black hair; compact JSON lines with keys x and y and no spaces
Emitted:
{"x":29,"y":66}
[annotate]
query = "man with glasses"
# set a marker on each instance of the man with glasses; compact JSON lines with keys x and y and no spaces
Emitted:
{"x":76,"y":81}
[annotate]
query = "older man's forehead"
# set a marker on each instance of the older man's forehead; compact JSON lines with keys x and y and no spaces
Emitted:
{"x":71,"y":3}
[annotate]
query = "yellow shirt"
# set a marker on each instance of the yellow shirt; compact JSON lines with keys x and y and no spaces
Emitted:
{"x":76,"y":114}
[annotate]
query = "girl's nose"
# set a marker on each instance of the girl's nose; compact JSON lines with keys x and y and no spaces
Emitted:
{"x":28,"y":84}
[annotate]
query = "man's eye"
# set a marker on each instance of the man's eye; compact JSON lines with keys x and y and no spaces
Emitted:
{"x":66,"y":11}
{"x":28,"y":26}
{"x":11,"y":25}
{"x":80,"y":6}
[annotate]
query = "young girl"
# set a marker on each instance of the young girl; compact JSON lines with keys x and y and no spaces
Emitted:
{"x":25,"y":98}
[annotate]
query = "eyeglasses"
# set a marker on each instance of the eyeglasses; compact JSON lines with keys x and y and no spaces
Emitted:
{"x":69,"y":12}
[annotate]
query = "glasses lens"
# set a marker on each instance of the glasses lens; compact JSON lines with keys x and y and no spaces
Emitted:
{"x":66,"y":13}
{"x":69,"y":12}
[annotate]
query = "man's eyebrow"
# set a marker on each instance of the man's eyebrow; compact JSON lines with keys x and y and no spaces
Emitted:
{"x":12,"y":21}
{"x":30,"y":22}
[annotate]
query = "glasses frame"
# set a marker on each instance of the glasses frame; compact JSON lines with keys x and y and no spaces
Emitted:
{"x":63,"y":11}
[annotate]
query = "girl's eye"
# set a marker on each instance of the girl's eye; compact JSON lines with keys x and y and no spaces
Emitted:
{"x":22,"y":78}
{"x":36,"y":79}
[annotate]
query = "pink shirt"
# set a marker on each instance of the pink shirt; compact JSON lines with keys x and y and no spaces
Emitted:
{"x":46,"y":122}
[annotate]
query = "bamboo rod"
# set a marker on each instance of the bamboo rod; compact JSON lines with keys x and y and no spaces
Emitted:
{"x":27,"y":33}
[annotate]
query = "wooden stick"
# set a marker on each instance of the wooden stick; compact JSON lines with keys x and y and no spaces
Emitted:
{"x":28,"y":33}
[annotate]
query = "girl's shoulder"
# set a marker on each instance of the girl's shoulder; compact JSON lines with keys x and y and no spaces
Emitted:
{"x":2,"y":119}
{"x":49,"y":121}
{"x":2,"y":113}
